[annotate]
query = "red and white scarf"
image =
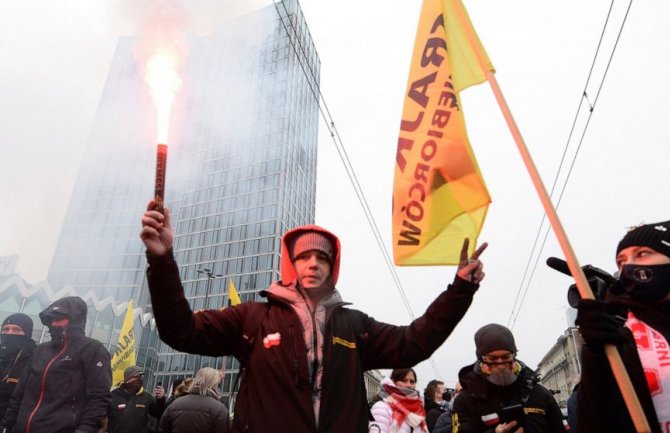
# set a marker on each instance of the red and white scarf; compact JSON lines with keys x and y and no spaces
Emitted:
{"x":654,"y":352}
{"x":405,"y":408}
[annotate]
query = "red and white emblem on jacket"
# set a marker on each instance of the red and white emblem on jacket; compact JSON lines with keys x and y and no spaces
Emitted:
{"x":491,"y":419}
{"x":272,"y":340}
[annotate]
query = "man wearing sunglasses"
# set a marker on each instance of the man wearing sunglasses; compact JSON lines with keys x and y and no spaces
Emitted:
{"x":500,"y":393}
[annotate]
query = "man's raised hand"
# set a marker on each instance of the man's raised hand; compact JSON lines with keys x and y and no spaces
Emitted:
{"x":471,"y":269}
{"x":157,"y":233}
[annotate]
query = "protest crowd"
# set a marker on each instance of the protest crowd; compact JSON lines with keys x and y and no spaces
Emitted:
{"x":303,"y":353}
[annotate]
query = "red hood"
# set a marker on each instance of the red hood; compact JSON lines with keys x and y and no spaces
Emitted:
{"x":288,"y":273}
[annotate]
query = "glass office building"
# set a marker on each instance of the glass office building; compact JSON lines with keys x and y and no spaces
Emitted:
{"x":241,"y":171}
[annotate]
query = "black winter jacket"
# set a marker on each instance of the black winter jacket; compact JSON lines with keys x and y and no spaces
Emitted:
{"x":277,"y":390}
{"x":600,"y":407}
{"x":433,"y":412}
{"x":129,"y":413}
{"x":481,"y":400}
{"x":11,"y":372}
{"x":195,"y":413}
{"x":443,"y":424}
{"x":66,"y":386}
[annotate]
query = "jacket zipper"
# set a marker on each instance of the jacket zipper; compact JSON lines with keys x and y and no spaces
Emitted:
{"x":315,"y":346}
{"x":295,"y":356}
{"x":44,"y":378}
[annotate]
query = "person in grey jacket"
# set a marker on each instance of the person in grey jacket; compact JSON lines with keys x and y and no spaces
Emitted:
{"x":199,"y":410}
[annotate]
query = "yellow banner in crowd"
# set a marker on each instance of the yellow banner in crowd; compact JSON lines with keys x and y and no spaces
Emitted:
{"x":124,"y":354}
{"x":233,"y":297}
{"x":439,"y":195}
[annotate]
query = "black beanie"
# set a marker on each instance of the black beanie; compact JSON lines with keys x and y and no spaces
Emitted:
{"x":20,"y":319}
{"x":655,"y":236}
{"x":493,"y":337}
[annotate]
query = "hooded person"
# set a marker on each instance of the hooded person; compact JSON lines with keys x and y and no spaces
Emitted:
{"x":16,"y":348}
{"x":66,"y":386}
{"x":304,"y":351}
{"x":498,"y":380}
{"x":635,"y":317}
{"x":132,"y":406}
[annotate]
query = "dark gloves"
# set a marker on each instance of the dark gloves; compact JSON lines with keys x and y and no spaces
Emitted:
{"x":600,"y":323}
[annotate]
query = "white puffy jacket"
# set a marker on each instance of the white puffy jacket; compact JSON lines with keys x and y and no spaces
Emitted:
{"x":382,"y":413}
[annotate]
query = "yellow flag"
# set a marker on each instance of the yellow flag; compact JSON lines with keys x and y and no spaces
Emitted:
{"x":124,"y":354}
{"x":232,"y":294}
{"x":439,"y":195}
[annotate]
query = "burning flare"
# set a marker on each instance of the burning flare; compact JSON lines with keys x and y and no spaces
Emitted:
{"x":164,"y":81}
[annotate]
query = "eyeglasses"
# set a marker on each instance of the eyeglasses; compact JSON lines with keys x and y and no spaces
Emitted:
{"x":498,"y":360}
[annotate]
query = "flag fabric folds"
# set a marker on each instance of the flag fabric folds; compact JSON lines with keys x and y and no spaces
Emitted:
{"x":439,"y":195}
{"x":124,"y":354}
{"x":233,"y":297}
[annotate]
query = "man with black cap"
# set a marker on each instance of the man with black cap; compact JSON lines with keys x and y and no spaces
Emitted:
{"x":500,"y":393}
{"x":635,"y":317}
{"x":16,"y":348}
{"x":65,"y":388}
{"x":132,"y":405}
{"x":302,"y":352}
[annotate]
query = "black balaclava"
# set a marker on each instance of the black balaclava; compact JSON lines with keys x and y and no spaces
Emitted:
{"x":647,"y":283}
{"x":134,"y":385}
{"x":57,"y":332}
{"x":133,"y":377}
{"x":11,"y":344}
{"x":72,"y":307}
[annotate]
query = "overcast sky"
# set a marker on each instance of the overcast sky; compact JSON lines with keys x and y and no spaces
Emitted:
{"x":55,"y":57}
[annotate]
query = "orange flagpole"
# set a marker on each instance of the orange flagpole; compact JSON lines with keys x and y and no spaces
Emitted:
{"x":618,"y":369}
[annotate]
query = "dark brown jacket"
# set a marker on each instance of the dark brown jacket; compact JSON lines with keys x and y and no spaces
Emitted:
{"x":277,"y":389}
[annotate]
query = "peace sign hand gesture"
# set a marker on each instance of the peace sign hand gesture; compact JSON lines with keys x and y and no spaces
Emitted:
{"x":471,"y":269}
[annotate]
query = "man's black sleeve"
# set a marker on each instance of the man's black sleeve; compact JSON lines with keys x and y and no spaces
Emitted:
{"x":97,"y":369}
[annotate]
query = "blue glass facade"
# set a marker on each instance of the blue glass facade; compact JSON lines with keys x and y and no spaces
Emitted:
{"x":241,"y":171}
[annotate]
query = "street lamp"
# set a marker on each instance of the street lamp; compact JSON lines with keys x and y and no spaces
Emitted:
{"x":208,"y":288}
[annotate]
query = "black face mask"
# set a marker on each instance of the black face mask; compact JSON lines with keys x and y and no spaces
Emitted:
{"x":646,"y":283}
{"x":10,"y":345}
{"x":57,"y":333}
{"x":133,"y":387}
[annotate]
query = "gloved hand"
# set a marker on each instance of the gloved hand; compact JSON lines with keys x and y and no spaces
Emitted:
{"x":600,"y":323}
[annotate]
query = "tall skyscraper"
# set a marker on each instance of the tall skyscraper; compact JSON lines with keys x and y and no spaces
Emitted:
{"x":241,"y":171}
